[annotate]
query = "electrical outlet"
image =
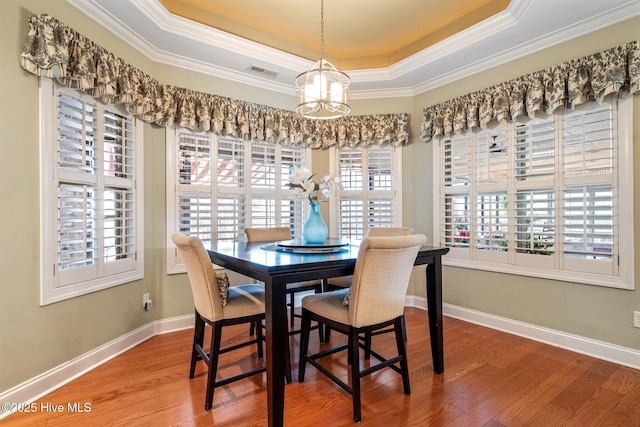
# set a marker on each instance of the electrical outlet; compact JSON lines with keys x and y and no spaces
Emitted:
{"x":636,"y":319}
{"x":146,"y":302}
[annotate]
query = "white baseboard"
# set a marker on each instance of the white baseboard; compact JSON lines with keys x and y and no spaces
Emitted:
{"x":598,"y":349}
{"x":45,"y":383}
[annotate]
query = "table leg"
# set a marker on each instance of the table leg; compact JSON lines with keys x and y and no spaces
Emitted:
{"x":434,"y":305}
{"x":277,"y":336}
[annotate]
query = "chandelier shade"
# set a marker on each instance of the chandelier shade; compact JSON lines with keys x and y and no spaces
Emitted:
{"x":322,"y":92}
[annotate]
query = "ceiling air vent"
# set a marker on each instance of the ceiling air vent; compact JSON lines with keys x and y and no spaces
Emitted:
{"x":263,"y":71}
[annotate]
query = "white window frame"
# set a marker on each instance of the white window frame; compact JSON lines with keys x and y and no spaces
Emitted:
{"x":395,"y":193}
{"x":103,"y":274}
{"x":174,"y":264}
{"x":624,"y":271}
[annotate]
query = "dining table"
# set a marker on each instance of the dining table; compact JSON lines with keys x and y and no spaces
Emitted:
{"x":276,"y":265}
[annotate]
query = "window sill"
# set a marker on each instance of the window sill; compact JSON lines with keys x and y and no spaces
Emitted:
{"x":618,"y":282}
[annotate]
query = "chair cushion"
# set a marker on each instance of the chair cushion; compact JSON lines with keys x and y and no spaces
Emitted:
{"x":244,"y":300}
{"x":329,"y":305}
{"x":223,"y":287}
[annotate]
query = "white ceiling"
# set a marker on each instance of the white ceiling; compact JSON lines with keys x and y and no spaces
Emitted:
{"x":524,"y":27}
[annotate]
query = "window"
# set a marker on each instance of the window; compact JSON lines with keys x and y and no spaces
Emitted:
{"x":550,"y":197}
{"x":217,"y":186}
{"x":372,"y":188}
{"x":91,"y":194}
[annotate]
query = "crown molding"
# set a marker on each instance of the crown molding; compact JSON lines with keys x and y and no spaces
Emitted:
{"x":178,"y":26}
{"x":369,"y":83}
{"x":461,"y":40}
{"x":568,"y":33}
{"x":400,"y":92}
{"x":221,"y":72}
{"x":195,"y":31}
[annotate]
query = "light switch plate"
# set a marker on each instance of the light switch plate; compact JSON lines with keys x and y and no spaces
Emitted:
{"x":636,"y":319}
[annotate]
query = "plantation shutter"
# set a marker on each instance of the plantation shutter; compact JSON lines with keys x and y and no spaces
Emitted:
{"x":291,"y":206}
{"x":368,"y":194}
{"x":492,"y":221}
{"x":535,"y":222}
{"x":77,"y":184}
{"x":95,"y":203}
{"x":380,"y":209}
{"x":194,"y":215}
{"x":231,"y":216}
{"x":118,"y":210}
{"x":492,"y":203}
{"x":350,"y":206}
{"x":535,"y":151}
{"x":589,"y":215}
{"x":491,"y":158}
{"x":535,"y":207}
{"x":194,"y":195}
{"x":455,"y":173}
{"x":263,"y":184}
{"x":548,"y":196}
{"x":249,"y":186}
{"x":231,"y":200}
{"x":263,"y":167}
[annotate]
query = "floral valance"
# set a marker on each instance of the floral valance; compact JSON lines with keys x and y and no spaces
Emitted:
{"x":55,"y":50}
{"x":569,"y":84}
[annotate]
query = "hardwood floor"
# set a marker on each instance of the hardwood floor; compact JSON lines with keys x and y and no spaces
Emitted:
{"x":491,"y":379}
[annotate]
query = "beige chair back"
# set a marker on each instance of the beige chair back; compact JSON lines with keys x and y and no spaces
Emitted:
{"x":381,"y":277}
{"x":389,"y":231}
{"x":202,"y":277}
{"x":267,"y":234}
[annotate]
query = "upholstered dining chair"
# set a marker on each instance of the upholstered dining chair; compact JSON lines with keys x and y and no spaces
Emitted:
{"x":274,"y":234}
{"x":345,"y":281}
{"x":380,"y":281}
{"x":218,"y":305}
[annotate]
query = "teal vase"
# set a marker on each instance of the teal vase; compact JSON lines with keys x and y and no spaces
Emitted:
{"x":314,"y":230}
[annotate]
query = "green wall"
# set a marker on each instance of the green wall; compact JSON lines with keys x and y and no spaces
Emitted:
{"x":35,"y":339}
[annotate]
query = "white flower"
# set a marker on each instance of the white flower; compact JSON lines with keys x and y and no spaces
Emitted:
{"x":300,"y":175}
{"x":302,"y":179}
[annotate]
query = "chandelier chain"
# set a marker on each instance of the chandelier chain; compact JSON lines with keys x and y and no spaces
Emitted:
{"x":322,"y":91}
{"x":322,"y":29}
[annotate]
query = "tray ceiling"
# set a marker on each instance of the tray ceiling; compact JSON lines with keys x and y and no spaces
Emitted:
{"x":399,"y":48}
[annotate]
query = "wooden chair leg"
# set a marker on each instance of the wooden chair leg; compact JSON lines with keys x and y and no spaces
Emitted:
{"x":327,"y":334}
{"x":355,"y":373}
{"x":404,"y":328}
{"x":304,"y":343}
{"x":367,"y":345}
{"x":400,"y":331}
{"x":260,"y":338}
{"x":292,"y":306}
{"x":368,"y":335}
{"x":198,"y":339}
{"x":321,"y":332}
{"x":216,"y":332}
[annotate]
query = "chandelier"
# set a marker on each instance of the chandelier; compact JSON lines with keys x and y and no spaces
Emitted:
{"x":322,"y":91}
